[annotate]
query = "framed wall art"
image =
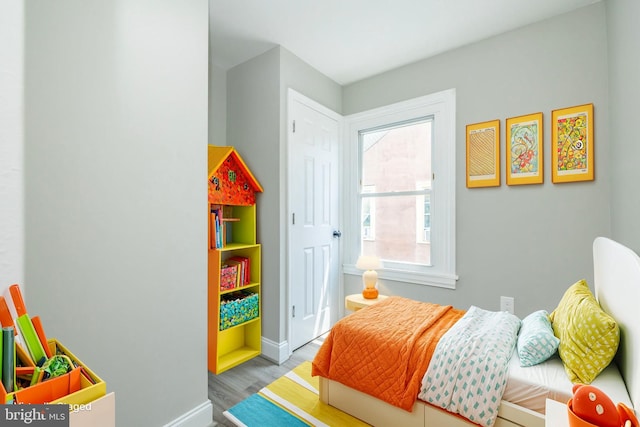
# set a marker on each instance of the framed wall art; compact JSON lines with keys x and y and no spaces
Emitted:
{"x":572,"y":154}
{"x":524,"y":151}
{"x":483,"y":154}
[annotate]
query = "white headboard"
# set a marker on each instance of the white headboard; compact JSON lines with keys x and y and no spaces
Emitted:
{"x":617,"y":288}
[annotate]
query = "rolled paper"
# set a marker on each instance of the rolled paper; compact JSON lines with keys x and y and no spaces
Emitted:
{"x":8,"y":358}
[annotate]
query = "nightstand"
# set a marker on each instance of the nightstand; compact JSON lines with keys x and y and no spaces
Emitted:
{"x":556,"y":414}
{"x":355,"y":302}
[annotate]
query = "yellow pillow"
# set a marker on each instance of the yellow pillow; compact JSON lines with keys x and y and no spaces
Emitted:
{"x":589,"y":337}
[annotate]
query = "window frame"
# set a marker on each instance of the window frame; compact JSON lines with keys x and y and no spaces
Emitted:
{"x":421,"y":213}
{"x":372,"y":213}
{"x":442,"y":107}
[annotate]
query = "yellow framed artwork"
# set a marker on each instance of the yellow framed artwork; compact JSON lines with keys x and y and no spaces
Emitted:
{"x":483,"y":154}
{"x":524,"y":152}
{"x":572,"y":154}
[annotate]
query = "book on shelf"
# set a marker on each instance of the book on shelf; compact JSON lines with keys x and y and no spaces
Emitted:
{"x":214,"y":233}
{"x":244,"y":268}
{"x":229,"y":277}
{"x":217,"y":235}
{"x":239,"y":273}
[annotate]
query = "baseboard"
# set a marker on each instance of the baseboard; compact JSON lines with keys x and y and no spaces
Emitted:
{"x":200,"y":416}
{"x":275,"y":352}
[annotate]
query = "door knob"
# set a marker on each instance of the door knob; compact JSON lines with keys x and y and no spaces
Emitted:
{"x":337,"y":233}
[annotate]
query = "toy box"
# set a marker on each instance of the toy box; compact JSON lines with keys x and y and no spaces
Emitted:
{"x":79,"y":386}
{"x":238,"y":307}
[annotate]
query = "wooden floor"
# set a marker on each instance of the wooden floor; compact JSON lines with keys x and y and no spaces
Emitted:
{"x":236,"y":384}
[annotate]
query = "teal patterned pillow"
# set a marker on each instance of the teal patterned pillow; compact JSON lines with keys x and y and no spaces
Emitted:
{"x":536,"y":341}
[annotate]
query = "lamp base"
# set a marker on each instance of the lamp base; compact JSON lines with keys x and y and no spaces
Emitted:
{"x":370,"y":293}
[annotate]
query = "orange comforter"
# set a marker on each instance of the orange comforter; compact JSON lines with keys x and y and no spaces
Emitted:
{"x":384,"y":350}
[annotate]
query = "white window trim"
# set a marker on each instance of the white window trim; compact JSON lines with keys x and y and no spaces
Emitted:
{"x":442,"y":106}
{"x":372,"y":215}
{"x":422,"y":186}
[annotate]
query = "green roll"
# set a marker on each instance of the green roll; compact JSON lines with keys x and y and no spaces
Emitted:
{"x":8,"y":358}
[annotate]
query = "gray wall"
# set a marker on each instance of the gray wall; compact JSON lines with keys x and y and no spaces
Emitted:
{"x":217,"y":105}
{"x":256,"y":126}
{"x":624,"y":92}
{"x":253,"y":128}
{"x":11,"y":144}
{"x":115,"y":161}
{"x":301,"y":77}
{"x":529,"y":242}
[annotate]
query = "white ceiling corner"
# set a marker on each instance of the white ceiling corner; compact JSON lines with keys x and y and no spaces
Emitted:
{"x":349,"y":40}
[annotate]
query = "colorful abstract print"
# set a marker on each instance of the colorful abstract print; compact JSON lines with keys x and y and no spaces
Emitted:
{"x":524,"y":149}
{"x":572,"y":143}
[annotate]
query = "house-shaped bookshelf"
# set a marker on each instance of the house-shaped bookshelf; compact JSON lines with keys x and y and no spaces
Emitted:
{"x":234,"y":287}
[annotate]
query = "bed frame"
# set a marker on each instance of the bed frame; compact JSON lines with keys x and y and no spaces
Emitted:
{"x":617,"y":287}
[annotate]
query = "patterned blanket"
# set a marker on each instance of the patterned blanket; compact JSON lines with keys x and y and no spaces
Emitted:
{"x":468,"y":371}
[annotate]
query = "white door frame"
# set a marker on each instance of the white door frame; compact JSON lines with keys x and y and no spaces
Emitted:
{"x":292,"y":96}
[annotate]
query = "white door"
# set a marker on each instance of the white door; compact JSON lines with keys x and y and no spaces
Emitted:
{"x":313,"y":219}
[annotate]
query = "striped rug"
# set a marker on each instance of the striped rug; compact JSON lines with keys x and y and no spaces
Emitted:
{"x":291,"y":400}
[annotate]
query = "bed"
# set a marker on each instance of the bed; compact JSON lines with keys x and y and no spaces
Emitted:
{"x":617,"y":290}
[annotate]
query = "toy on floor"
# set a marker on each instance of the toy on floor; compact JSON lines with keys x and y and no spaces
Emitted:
{"x":591,"y":407}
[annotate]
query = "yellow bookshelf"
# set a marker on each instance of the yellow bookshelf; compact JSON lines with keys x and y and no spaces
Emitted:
{"x":234,"y":315}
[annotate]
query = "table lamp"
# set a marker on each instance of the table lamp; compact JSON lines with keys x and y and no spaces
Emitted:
{"x":370,"y":276}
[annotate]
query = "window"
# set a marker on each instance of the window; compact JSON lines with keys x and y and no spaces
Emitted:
{"x":400,"y":197}
{"x":394,"y":158}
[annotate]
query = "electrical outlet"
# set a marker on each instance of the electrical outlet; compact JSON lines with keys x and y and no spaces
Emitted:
{"x":506,"y":304}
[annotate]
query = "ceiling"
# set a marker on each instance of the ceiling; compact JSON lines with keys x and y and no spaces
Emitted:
{"x":349,"y":40}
